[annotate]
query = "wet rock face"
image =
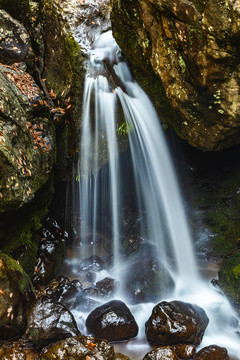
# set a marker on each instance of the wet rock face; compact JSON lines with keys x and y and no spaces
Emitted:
{"x":27,"y":146}
{"x":182,"y":352}
{"x":79,"y":347}
{"x":176,"y":322}
{"x":146,"y":280}
{"x":112,"y":321}
{"x":49,"y":322}
{"x":15,"y":41}
{"x":50,"y":254}
{"x":108,"y":286}
{"x":212,"y":352}
{"x":14,"y":295}
{"x":193,"y":48}
{"x":65,"y":291}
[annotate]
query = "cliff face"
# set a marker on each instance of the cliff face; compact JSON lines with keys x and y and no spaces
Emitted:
{"x":41,"y":77}
{"x":193,"y":48}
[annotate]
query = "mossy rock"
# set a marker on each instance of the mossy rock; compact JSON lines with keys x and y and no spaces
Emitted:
{"x":229,"y":277}
{"x":15,"y":288}
{"x":17,"y":228}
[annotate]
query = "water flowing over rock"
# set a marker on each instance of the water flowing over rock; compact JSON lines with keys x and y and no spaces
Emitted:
{"x":49,"y":321}
{"x":108,"y":286}
{"x":15,"y":292}
{"x":112,"y":321}
{"x":212,"y":352}
{"x":79,"y":347}
{"x":146,"y":280}
{"x":193,"y":48}
{"x":176,"y":322}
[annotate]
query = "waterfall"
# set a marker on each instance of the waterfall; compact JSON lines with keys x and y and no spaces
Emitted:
{"x":154,"y":174}
{"x":108,"y":87}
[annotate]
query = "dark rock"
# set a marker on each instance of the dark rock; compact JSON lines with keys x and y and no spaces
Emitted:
{"x":79,"y":347}
{"x":50,"y":254}
{"x":146,"y":280}
{"x":49,"y":322}
{"x":15,"y":42}
{"x":184,"y":351}
{"x":212,"y":352}
{"x":229,"y":277}
{"x":176,"y":322}
{"x":44,"y":269}
{"x":108,"y":286}
{"x":93,"y":263}
{"x":161,"y":353}
{"x":178,"y":352}
{"x":112,"y":321}
{"x":65,"y":291}
{"x":15,"y":292}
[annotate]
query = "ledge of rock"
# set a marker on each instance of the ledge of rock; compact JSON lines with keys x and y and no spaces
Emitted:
{"x":193,"y":49}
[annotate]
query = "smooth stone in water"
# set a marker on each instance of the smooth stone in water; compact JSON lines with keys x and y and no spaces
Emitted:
{"x":212,"y":352}
{"x":176,"y":322}
{"x":108,"y":286}
{"x":181,"y":351}
{"x":112,"y":321}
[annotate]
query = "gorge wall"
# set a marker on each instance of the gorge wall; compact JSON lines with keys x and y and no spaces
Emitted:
{"x":191,"y":48}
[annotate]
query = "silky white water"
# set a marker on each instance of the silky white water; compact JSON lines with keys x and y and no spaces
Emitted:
{"x":109,"y":85}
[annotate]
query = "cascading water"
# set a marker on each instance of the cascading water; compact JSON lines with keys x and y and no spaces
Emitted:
{"x":109,"y":85}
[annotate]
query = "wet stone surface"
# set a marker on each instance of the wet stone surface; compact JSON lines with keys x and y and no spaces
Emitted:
{"x":176,"y":322}
{"x":79,"y":347}
{"x":49,"y":321}
{"x":112,"y":321}
{"x":212,"y":352}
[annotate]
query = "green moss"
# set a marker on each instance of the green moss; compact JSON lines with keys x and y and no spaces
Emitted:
{"x":24,"y":281}
{"x":219,"y":194}
{"x":229,"y":277}
{"x":16,"y":236}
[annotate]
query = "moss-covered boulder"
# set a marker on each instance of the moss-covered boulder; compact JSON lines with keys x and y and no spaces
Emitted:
{"x":229,"y":277}
{"x":192,"y":46}
{"x":15,"y":290}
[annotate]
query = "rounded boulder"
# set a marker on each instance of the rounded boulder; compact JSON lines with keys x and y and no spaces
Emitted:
{"x":176,"y":322}
{"x":112,"y":321}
